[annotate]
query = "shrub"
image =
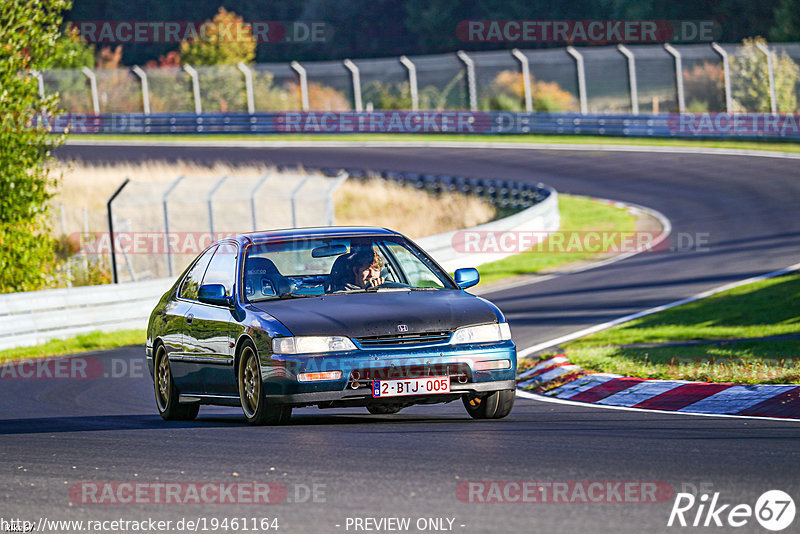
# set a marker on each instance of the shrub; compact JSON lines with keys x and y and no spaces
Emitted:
{"x":704,"y":86}
{"x":508,"y":94}
{"x":751,"y":79}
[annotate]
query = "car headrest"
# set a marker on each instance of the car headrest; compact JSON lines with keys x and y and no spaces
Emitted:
{"x":261,"y":274}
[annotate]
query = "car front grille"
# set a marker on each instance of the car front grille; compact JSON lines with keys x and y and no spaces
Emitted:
{"x":419,"y":338}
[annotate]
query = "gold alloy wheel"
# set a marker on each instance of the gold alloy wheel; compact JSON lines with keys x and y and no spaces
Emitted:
{"x":249,"y":382}
{"x":163,"y":379}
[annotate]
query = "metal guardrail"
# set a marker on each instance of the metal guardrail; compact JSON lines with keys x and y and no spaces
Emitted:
{"x":676,"y":125}
{"x":35,"y":317}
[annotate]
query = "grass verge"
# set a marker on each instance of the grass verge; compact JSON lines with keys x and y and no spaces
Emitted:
{"x":578,"y":214}
{"x":522,"y":138}
{"x":764,"y":308}
{"x":74,"y":345}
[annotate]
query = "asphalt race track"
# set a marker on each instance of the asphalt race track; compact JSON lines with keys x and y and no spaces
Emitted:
{"x":58,"y":433}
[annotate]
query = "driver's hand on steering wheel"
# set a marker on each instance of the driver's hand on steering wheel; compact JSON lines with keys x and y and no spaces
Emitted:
{"x":375,"y":282}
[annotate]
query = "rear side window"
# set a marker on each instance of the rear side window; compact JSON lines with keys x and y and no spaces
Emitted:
{"x":194,"y":277}
{"x":222,"y":269}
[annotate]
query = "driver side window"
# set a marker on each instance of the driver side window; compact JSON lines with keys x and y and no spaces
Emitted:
{"x":194,"y":277}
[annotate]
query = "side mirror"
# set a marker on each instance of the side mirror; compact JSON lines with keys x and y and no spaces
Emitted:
{"x":467,"y":277}
{"x":213,"y":294}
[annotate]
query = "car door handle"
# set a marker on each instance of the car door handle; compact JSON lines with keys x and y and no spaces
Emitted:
{"x":189,"y":318}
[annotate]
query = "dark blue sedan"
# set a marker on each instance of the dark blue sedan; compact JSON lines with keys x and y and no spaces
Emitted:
{"x":326,"y":317}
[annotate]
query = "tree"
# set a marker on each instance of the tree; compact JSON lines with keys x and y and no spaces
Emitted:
{"x":787,"y":22}
{"x":227,"y":41}
{"x":30,"y":36}
{"x":750,"y":78}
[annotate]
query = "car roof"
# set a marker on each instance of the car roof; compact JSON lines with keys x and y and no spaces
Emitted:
{"x":314,"y":232}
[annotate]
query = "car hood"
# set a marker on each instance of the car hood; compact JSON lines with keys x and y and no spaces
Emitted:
{"x":379,"y":313}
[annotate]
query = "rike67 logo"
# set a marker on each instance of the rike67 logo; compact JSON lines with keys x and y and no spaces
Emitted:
{"x":774,"y":510}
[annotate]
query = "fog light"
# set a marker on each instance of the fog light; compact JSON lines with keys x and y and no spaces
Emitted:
{"x":314,"y":377}
{"x":492,"y":365}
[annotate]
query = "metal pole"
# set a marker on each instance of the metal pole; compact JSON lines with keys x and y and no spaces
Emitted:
{"x":64,"y":234}
{"x":526,"y":78}
{"x":773,"y":97}
{"x":412,"y":81}
{"x":86,"y":235}
{"x":166,"y":222}
{"x":631,"y":77}
{"x":581,"y":78}
{"x":138,"y":71}
{"x":264,"y":178}
{"x":93,"y":85}
{"x":292,"y":199}
{"x":248,"y":86}
{"x":726,"y":71}
{"x":301,"y":72}
{"x":330,"y":212}
{"x":111,"y":229}
{"x":470,"y":65}
{"x":678,"y":75}
{"x":211,"y":203}
{"x":40,"y":80}
{"x":356,"y":76}
{"x":198,"y":105}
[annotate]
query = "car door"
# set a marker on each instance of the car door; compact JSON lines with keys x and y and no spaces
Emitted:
{"x":186,"y":372}
{"x":209,"y":340}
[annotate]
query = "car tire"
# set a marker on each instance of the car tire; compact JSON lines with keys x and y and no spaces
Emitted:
{"x":383,"y":409}
{"x":495,"y":405}
{"x":254,"y":404}
{"x":167,"y":394}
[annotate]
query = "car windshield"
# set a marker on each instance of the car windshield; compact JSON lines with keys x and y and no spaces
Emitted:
{"x":319,"y":266}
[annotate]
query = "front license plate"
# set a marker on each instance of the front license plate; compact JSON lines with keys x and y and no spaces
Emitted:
{"x":411,"y":386}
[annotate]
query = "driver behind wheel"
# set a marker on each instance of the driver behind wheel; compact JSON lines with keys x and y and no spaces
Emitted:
{"x":365,"y":265}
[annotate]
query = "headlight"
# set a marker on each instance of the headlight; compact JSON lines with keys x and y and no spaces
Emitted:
{"x":481,"y":334}
{"x":311,"y":344}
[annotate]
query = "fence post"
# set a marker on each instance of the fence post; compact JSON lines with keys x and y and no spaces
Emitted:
{"x":292,"y":199}
{"x":726,"y":72}
{"x":93,"y":86}
{"x":581,"y":78}
{"x":773,"y":97}
{"x":412,"y":81}
{"x":678,"y":75}
{"x":248,"y":86}
{"x":210,"y":201}
{"x":109,"y":213}
{"x":470,"y":65}
{"x":631,"y":77}
{"x":526,"y":75}
{"x":40,"y":80}
{"x":356,"y":80}
{"x":138,"y":71}
{"x":301,"y":72}
{"x":164,"y":200}
{"x":330,"y":212}
{"x":198,"y":105}
{"x":264,"y":178}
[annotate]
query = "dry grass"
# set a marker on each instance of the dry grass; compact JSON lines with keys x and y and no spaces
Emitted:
{"x":372,"y":203}
{"x":411,"y":212}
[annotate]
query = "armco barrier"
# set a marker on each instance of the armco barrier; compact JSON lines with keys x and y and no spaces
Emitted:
{"x":675,"y":125}
{"x":35,"y":317}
